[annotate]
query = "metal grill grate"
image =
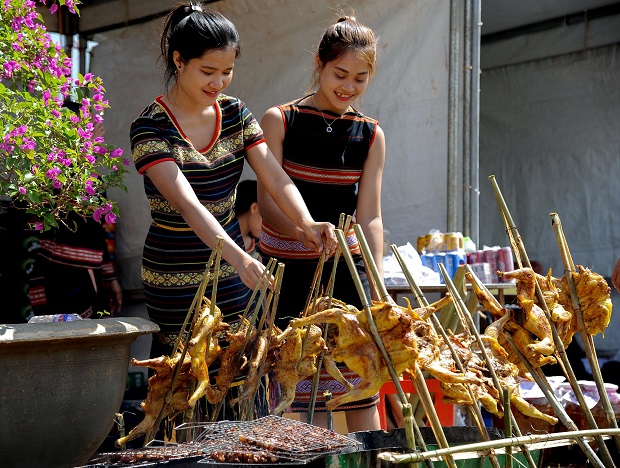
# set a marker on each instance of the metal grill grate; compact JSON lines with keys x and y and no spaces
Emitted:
{"x":271,"y":439}
{"x":145,"y":456}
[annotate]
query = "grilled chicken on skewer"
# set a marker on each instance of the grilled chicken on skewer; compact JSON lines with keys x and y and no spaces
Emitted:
{"x":159,"y":384}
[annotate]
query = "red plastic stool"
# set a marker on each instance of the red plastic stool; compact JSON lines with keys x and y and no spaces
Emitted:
{"x":445,"y":412}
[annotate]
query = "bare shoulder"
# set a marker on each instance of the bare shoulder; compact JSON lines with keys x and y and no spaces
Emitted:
{"x":272,"y":121}
{"x":379,"y":139}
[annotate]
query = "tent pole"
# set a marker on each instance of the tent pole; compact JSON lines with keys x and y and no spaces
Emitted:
{"x":474,"y":219}
{"x":453,"y":116}
{"x":467,"y":82}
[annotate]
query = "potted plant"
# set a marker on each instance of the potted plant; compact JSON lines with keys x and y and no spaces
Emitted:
{"x":52,"y":164}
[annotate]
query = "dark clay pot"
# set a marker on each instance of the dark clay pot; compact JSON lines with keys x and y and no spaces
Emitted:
{"x":60,"y":387}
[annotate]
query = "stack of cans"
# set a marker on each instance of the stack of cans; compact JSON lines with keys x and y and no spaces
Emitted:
{"x":447,"y":249}
{"x":486,"y":263}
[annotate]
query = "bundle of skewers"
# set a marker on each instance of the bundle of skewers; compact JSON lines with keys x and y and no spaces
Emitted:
{"x":553,"y":310}
{"x":385,"y":342}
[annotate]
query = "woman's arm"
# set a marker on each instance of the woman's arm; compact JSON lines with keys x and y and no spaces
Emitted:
{"x":273,"y":129}
{"x":173,"y":185}
{"x":368,"y":210}
{"x":279,"y":200}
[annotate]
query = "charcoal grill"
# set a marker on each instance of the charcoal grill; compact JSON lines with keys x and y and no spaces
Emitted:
{"x":269,"y":441}
{"x":272,"y":438}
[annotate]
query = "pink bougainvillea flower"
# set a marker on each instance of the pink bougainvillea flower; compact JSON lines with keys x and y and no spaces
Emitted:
{"x":41,"y":176}
{"x":116,"y":153}
{"x":89,"y":188}
{"x":110,"y":218}
{"x":52,"y":173}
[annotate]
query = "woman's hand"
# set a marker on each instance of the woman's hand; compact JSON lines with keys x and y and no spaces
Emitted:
{"x":115,"y":296}
{"x":250,"y":271}
{"x":319,"y":237}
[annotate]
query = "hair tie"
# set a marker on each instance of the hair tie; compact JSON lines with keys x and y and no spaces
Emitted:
{"x":195,"y":7}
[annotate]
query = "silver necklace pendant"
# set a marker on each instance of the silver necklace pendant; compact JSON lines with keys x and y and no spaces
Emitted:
{"x":328,"y":129}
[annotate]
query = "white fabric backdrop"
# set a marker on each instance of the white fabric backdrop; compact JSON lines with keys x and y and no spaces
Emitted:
{"x":408,"y":95}
{"x":550,"y":134}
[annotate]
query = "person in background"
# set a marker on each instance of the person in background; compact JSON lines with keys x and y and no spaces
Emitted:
{"x":190,"y":145}
{"x":335,"y":155}
{"x":246,"y":210}
{"x":74,"y":270}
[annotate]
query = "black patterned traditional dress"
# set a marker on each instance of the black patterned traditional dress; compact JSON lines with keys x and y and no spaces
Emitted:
{"x":174,"y":257}
{"x":326,"y":168}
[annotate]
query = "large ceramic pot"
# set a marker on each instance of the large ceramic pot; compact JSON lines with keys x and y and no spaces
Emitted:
{"x":60,"y":387}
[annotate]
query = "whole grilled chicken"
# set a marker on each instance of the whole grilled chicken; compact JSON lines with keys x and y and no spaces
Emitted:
{"x":594,"y":298}
{"x":203,"y":347}
{"x":290,"y":367}
{"x":522,"y":338}
{"x":535,"y":319}
{"x":230,"y":364}
{"x":159,"y":384}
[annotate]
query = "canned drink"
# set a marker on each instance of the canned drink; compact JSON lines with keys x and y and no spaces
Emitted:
{"x":453,"y":241}
{"x":505,"y":261}
{"x":490,"y":257}
{"x":421,"y":244}
{"x":475,"y":257}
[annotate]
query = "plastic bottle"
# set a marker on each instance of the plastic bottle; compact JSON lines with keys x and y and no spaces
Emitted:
{"x":55,"y":318}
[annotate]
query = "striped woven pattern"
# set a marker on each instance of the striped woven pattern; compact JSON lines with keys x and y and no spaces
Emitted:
{"x":174,"y":258}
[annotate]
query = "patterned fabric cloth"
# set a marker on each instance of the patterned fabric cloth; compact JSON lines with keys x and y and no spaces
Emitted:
{"x":326,"y":168}
{"x":174,"y":257}
{"x":70,"y":266}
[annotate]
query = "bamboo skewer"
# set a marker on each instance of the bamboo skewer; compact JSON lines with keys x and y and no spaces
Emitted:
{"x":474,"y":408}
{"x":586,"y":338}
{"x":412,"y":431}
{"x":512,"y":441}
{"x":542,"y":382}
{"x":190,"y":414}
{"x":262,"y":286}
{"x":468,"y":323}
{"x":418,"y":379}
{"x":344,"y":225}
{"x":314,"y":293}
{"x":559,"y":410}
{"x":193,"y":313}
{"x":522,"y":260}
{"x":269,"y":315}
{"x":261,"y":303}
{"x":507,"y":424}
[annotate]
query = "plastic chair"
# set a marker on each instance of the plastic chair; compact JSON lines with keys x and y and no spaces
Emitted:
{"x":445,"y":412}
